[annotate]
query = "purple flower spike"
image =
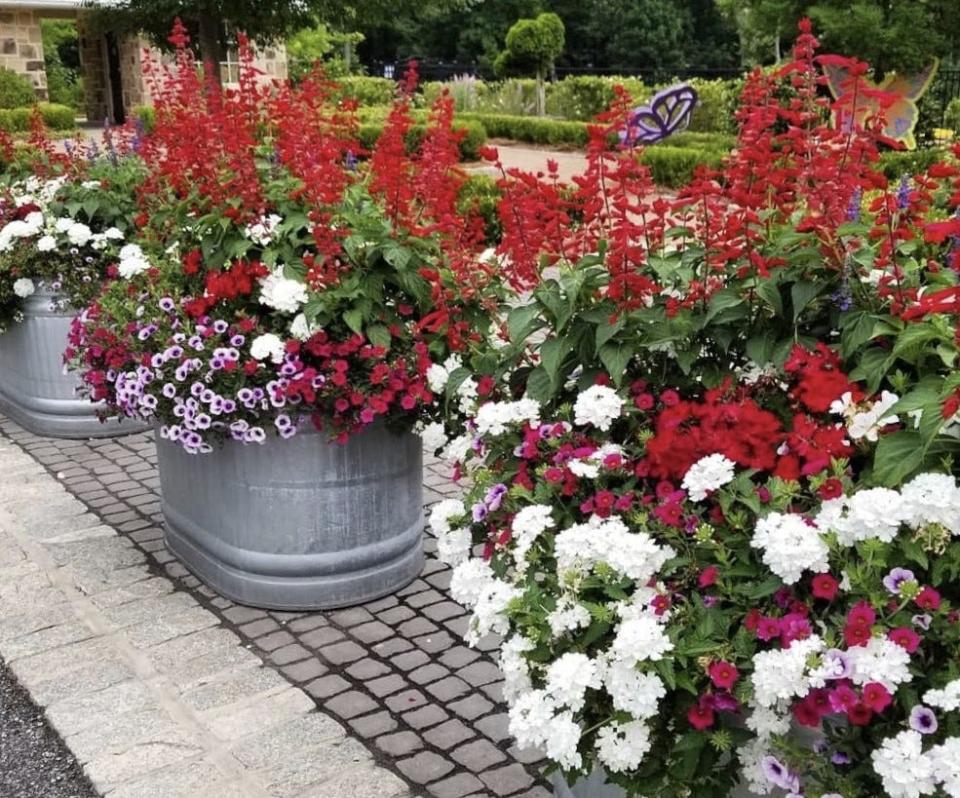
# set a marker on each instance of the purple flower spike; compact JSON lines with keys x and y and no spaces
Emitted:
{"x":923,"y":720}
{"x":894,"y":580}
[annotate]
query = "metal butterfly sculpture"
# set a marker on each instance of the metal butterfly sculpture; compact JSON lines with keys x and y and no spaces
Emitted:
{"x":668,"y":112}
{"x":898,"y":107}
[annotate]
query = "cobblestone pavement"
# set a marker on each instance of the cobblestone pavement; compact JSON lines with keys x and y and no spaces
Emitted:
{"x":394,"y":671}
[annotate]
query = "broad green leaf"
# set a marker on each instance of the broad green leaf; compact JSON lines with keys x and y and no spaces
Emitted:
{"x":615,"y":358}
{"x":897,"y":457}
{"x":802,"y":294}
{"x":520,"y":321}
{"x":353,"y":318}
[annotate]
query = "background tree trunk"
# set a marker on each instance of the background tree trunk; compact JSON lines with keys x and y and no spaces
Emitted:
{"x":208,"y":36}
{"x":541,"y":94}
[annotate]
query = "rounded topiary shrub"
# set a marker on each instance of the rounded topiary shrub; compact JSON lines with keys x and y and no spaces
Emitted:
{"x":16,"y":91}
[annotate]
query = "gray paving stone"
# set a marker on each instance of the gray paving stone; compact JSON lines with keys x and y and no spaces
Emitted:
{"x":291,"y":653}
{"x":425,"y":717}
{"x":271,"y":747}
{"x":423,"y":598}
{"x":395,"y":645}
{"x":448,"y":734}
{"x":507,"y":780}
{"x":367,"y":669}
{"x":275,"y":640}
{"x":480,"y":673}
{"x":77,"y":713}
{"x":386,"y":685}
{"x":350,"y":704}
{"x":430,"y":672}
{"x":494,"y":726}
{"x":409,"y":660}
{"x":473,"y":706}
{"x":352,"y":616}
{"x":448,"y":689}
{"x":373,"y":725}
{"x":341,"y":653}
{"x":395,"y":615}
{"x":327,"y":686}
{"x":434,"y":643}
{"x":304,"y":671}
{"x":372,"y":632}
{"x":323,"y":636}
{"x":407,"y":700}
{"x":443,"y":611}
{"x":399,"y":744}
{"x":425,"y":767}
{"x":455,"y":786}
{"x":478,"y":755}
{"x":416,"y":626}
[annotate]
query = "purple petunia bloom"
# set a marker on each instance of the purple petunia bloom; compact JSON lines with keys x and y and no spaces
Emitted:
{"x":167,"y":305}
{"x":494,"y":497}
{"x":479,"y":512}
{"x":836,"y":664}
{"x":840,"y":758}
{"x":894,"y":580}
{"x":923,"y":720}
{"x":923,"y":621}
{"x":779,"y":774}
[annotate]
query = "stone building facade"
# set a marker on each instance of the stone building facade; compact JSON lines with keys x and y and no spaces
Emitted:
{"x":112,"y":66}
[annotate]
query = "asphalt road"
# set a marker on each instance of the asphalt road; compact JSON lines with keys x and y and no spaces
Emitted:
{"x":34,"y":762}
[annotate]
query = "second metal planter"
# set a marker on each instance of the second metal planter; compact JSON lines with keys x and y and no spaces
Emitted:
{"x":301,"y":523}
{"x":34,"y":389}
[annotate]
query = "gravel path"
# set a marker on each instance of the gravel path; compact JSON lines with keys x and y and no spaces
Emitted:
{"x":34,"y":762}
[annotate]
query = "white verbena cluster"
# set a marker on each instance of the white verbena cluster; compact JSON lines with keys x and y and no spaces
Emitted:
{"x":947,"y":699}
{"x":281,"y":293}
{"x":528,"y":524}
{"x":636,"y":555}
{"x":453,"y":544}
{"x":131,"y":261}
{"x":494,"y":418}
{"x":24,"y":287}
{"x":879,"y":660}
{"x":268,"y":346}
{"x":865,"y":421}
{"x":707,"y":474}
{"x":18,"y":229}
{"x":782,"y":674}
{"x":598,"y":406}
{"x":439,"y":374}
{"x":906,"y":771}
{"x":790,"y":546}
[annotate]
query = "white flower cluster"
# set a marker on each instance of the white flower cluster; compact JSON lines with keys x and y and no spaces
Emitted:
{"x":589,"y":466}
{"x":906,"y":771}
{"x":268,"y":346}
{"x":282,"y":293}
{"x":880,"y":660}
{"x":24,"y":287}
{"x":879,"y":512}
{"x":261,"y":232}
{"x":865,"y":421}
{"x":636,"y":555}
{"x":434,"y":436}
{"x":453,"y":544}
{"x":301,"y":329}
{"x":13,"y":231}
{"x":790,"y":546}
{"x":494,"y":418}
{"x":438,"y":375}
{"x":947,"y":699}
{"x":707,"y":474}
{"x":528,"y":524}
{"x":132,"y":261}
{"x":780,"y":675}
{"x":598,"y":406}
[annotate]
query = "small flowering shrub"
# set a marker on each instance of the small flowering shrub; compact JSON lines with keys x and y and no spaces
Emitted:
{"x":61,"y":234}
{"x":282,"y":274}
{"x":713,"y":507}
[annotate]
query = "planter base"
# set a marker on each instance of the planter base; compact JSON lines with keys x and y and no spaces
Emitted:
{"x":34,"y":391}
{"x":298,"y":524}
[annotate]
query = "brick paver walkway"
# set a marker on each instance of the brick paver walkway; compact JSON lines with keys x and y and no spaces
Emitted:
{"x":394,"y":671}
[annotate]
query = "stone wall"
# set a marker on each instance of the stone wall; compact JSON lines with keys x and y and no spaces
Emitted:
{"x":21,"y":47}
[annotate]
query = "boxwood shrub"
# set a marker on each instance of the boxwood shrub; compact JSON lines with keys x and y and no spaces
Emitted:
{"x":55,"y":117}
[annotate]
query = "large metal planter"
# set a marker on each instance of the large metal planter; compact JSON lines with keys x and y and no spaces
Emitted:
{"x":301,"y":523}
{"x":34,"y":389}
{"x":595,"y":786}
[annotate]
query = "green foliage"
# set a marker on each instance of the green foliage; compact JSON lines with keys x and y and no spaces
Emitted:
{"x":16,"y":91}
{"x":146,"y":116}
{"x":61,"y":55}
{"x":952,"y":117}
{"x":319,"y":44}
{"x":367,"y":90}
{"x":55,"y":117}
{"x":718,"y":100}
{"x":475,"y":136}
{"x":532,"y":45}
{"x":673,"y":166}
{"x":531,"y":129}
{"x":583,"y":97}
{"x":481,"y":195}
{"x":467,"y":92}
{"x":897,"y":163}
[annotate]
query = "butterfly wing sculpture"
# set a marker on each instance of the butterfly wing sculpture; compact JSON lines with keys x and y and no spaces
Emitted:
{"x":898,"y":108}
{"x":668,"y":112}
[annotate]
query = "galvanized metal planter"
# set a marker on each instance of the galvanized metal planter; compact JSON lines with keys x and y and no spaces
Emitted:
{"x":301,"y":523}
{"x":595,"y":786}
{"x":35,"y":391}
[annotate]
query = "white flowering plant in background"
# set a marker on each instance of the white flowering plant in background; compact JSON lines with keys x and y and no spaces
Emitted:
{"x":64,"y":236}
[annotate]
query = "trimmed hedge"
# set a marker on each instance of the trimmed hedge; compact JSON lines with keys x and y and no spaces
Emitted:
{"x":673,"y":167}
{"x":897,"y":163}
{"x":367,"y":90}
{"x":532,"y":129}
{"x":474,"y":137}
{"x":480,"y":193}
{"x":55,"y":117}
